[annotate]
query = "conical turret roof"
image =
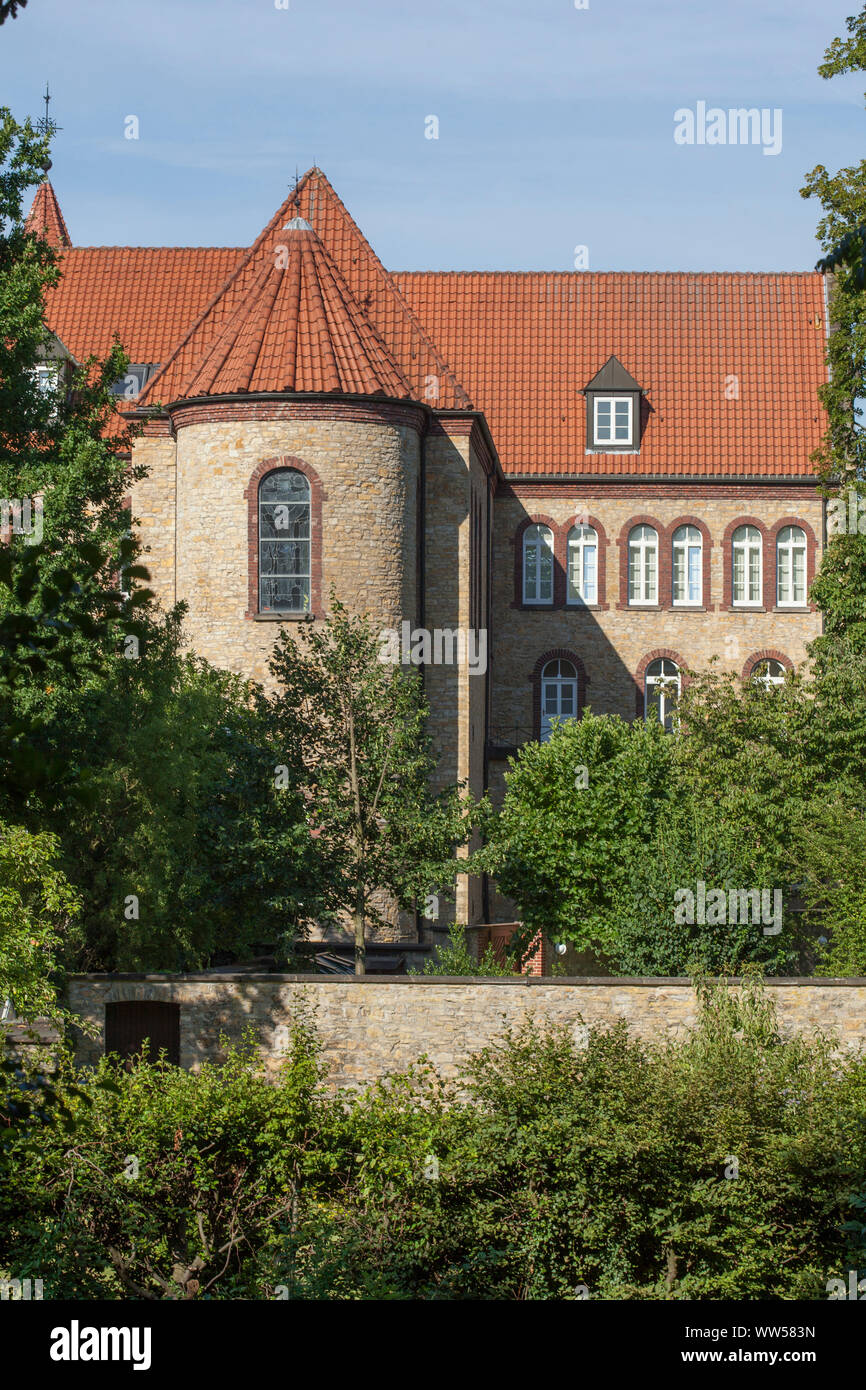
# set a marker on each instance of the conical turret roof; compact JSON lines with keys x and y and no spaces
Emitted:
{"x":45,"y":218}
{"x":285,"y":321}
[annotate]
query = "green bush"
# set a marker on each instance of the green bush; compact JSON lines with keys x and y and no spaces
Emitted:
{"x":728,"y":1165}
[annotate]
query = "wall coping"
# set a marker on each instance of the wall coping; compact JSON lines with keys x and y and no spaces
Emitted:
{"x":518,"y":981}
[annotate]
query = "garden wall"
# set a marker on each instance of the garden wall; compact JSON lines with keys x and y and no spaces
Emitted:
{"x":378,"y":1024}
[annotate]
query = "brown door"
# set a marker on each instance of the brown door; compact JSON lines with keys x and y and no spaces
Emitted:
{"x":129,"y":1022}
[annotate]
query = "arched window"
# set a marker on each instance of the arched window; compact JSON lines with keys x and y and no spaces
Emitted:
{"x":687,"y":566}
{"x":747,"y":561}
{"x":558,"y":695}
{"x":643,"y":565}
{"x":284,"y":542}
{"x":662,"y":687}
{"x":538,"y":564}
{"x":582,"y":565}
{"x":791,"y":567}
{"x":768,"y":672}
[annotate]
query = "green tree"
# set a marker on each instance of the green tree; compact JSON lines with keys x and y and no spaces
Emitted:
{"x":37,"y":911}
{"x":575,"y":810}
{"x":354,"y":735}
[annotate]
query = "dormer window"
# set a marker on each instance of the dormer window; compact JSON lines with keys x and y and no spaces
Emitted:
{"x":613,"y":410}
{"x":613,"y":420}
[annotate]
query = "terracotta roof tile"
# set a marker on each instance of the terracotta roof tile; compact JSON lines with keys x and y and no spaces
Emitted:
{"x":285,"y":321}
{"x":45,"y":218}
{"x":519,"y":346}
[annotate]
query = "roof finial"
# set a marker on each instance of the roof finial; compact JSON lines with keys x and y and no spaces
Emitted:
{"x":47,"y":127}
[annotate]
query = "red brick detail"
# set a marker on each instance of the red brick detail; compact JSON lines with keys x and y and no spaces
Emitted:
{"x":766,"y":654}
{"x":702,"y":491}
{"x":768,"y":570}
{"x":601,"y":559}
{"x":664,"y":560}
{"x":558,"y":573}
{"x":667,"y":599}
{"x":159,"y":426}
{"x":498,"y":935}
{"x":321,"y":408}
{"x":640,"y":675}
{"x":317,"y":497}
{"x":811,"y":554}
{"x":535,"y":677}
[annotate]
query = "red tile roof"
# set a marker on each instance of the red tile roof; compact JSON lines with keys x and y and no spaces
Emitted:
{"x":284,"y":321}
{"x":45,"y":218}
{"x":730,"y":362}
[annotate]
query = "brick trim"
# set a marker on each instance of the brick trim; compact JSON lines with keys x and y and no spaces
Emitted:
{"x":768,"y":565}
{"x":537,"y":519}
{"x":706,"y":603}
{"x":640,"y":674}
{"x":317,"y":497}
{"x":664,"y":562}
{"x":601,"y":603}
{"x":372,"y":412}
{"x":643,"y":486}
{"x":811,"y":553}
{"x":765,"y":654}
{"x":553,"y":654}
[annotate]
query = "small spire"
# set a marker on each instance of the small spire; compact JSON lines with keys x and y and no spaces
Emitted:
{"x":45,"y":126}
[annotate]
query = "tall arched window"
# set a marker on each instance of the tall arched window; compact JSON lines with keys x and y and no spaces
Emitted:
{"x":643,"y":565}
{"x":662,"y":687}
{"x":582,"y":565}
{"x":538,"y":564}
{"x":768,"y":673}
{"x":558,"y":695}
{"x":687,"y":565}
{"x":284,"y":542}
{"x":791,"y":567}
{"x":747,"y":561}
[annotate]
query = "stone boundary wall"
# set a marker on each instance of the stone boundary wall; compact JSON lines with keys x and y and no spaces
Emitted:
{"x":379,"y":1024}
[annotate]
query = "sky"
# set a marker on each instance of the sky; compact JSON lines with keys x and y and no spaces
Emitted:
{"x":555,"y":130}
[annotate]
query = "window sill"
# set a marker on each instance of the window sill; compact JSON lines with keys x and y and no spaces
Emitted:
{"x":748,"y":608}
{"x":791,"y":608}
{"x":687,"y":608}
{"x":612,"y":449}
{"x":584,"y":607}
{"x":282,"y":617}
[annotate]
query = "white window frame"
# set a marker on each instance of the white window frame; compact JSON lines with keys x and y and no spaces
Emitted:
{"x":582,"y":554}
{"x":666,"y":716}
{"x":767,"y":680}
{"x":539,"y":538}
{"x":557,"y":680}
{"x":643,"y":546}
{"x":789,"y":546}
{"x":613,"y":402}
{"x":748,"y":545}
{"x":681,"y":551}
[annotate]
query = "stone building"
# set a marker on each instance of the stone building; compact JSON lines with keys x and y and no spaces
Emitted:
{"x":606,"y":473}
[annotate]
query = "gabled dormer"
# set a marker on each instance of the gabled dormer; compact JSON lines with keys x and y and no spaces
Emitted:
{"x":613,"y":410}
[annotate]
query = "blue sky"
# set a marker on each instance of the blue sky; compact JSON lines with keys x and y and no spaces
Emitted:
{"x":555,"y":124}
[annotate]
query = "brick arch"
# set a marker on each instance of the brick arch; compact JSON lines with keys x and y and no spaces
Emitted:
{"x":640,"y":519}
{"x":537,"y":519}
{"x":811,"y":556}
{"x":554,"y":654}
{"x":640,"y":674}
{"x":601,"y":572}
{"x":706,"y":547}
{"x":765,"y":654}
{"x":317,"y":497}
{"x":768,"y":563}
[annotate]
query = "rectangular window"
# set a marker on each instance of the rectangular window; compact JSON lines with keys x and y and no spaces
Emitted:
{"x":612,"y":420}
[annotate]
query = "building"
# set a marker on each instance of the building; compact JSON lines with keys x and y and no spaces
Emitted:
{"x":608,"y":474}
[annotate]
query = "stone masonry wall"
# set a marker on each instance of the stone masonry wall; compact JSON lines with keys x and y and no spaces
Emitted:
{"x":373,"y":1026}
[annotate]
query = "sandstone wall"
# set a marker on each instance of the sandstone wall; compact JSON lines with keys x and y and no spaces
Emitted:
{"x":375,"y":1025}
